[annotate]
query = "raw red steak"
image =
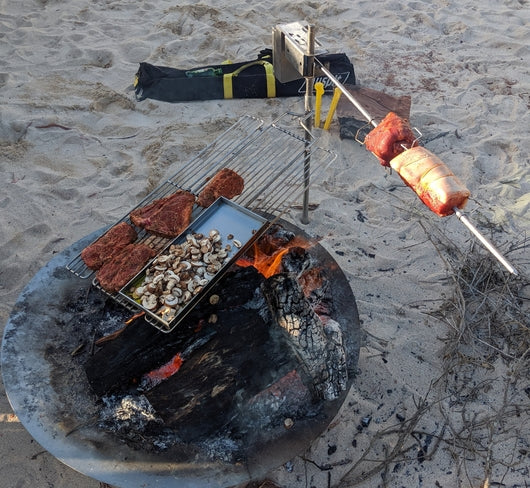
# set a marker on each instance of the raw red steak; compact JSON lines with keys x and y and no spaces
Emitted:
{"x":226,"y":183}
{"x":124,"y":266}
{"x":113,"y":241}
{"x":386,"y":140}
{"x":166,"y":217}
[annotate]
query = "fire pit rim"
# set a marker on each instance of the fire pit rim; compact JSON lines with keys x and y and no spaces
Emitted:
{"x":119,"y":467}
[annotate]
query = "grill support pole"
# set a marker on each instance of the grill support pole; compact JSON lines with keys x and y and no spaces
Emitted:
{"x":309,"y":82}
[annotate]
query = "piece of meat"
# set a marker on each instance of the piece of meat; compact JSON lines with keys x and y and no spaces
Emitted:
{"x":386,"y":140}
{"x":124,"y":266}
{"x":226,"y":183}
{"x":165,"y":217}
{"x":113,"y":241}
{"x":431,"y":179}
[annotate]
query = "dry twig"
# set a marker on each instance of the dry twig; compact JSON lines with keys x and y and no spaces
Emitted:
{"x":485,"y":414}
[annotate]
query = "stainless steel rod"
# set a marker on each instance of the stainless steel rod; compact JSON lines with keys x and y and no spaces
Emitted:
{"x":487,"y":244}
{"x":309,"y":81}
{"x":461,"y":216}
{"x":347,"y":94}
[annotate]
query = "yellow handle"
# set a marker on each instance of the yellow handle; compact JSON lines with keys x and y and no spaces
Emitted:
{"x":334,"y":101}
{"x":269,"y":77}
{"x":319,"y":89}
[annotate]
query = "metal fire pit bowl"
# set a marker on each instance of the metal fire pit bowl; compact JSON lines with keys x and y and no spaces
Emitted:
{"x":50,"y":394}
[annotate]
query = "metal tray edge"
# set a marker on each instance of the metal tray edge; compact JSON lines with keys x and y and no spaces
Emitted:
{"x":165,"y":326}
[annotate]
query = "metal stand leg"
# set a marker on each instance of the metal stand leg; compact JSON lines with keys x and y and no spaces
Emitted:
{"x":309,"y":82}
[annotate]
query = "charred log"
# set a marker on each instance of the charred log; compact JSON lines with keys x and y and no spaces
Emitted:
{"x":202,"y":398}
{"x":277,"y":237}
{"x":318,"y":346}
{"x":296,"y":261}
{"x":118,"y":365}
{"x":287,"y":398}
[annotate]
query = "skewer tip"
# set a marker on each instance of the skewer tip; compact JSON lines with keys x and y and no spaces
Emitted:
{"x":487,"y":244}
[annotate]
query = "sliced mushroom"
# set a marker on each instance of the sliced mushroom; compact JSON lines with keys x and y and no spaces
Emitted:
{"x":150,"y":302}
{"x":171,"y":301}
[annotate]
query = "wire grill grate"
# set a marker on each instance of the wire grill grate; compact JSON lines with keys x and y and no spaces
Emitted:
{"x":277,"y":163}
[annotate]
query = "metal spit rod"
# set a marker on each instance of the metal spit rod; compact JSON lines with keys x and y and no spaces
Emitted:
{"x":461,"y":216}
{"x":487,"y":244}
{"x":347,"y":94}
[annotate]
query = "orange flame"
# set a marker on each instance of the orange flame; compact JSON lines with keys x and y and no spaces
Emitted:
{"x":269,"y":265}
{"x":265,"y":264}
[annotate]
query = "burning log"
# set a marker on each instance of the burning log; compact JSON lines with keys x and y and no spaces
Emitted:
{"x":318,"y":345}
{"x":202,"y":399}
{"x":240,"y":380}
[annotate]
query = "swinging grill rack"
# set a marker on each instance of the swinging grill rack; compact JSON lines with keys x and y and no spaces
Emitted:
{"x":277,"y":162}
{"x":272,"y":159}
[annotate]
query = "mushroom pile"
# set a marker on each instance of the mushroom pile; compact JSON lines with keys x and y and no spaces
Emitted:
{"x":182,"y":271}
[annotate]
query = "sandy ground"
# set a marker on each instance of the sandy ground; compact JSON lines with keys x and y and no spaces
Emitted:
{"x":78,"y":151}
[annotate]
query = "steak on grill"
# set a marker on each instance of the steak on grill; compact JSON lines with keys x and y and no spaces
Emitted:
{"x":226,"y":183}
{"x":110,"y":243}
{"x":123,"y":266}
{"x":166,"y":217}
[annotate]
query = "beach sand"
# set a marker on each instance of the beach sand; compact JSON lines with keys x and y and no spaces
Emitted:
{"x":429,"y":407}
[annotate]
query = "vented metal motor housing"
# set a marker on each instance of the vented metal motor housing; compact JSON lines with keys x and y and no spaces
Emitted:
{"x":290,"y":54}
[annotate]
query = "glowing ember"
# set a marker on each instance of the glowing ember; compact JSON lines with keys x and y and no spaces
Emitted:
{"x":311,"y":280}
{"x":156,"y":376}
{"x":134,"y":317}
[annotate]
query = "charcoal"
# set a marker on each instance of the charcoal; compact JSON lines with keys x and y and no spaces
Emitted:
{"x":297,"y":260}
{"x":321,"y":353}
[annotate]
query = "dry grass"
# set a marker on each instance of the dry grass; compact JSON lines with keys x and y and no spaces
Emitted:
{"x":486,"y":366}
{"x":400,"y":444}
{"x":483,"y":392}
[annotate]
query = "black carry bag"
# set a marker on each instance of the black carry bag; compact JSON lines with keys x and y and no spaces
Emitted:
{"x":251,"y":79}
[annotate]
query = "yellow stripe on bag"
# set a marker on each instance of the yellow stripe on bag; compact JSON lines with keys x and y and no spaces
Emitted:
{"x":269,"y":75}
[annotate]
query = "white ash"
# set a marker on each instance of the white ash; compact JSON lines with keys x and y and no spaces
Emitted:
{"x":127,"y":413}
{"x":110,"y":322}
{"x":221,"y":449}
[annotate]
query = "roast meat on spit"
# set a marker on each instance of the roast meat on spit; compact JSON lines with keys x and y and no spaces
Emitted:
{"x":392,"y":141}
